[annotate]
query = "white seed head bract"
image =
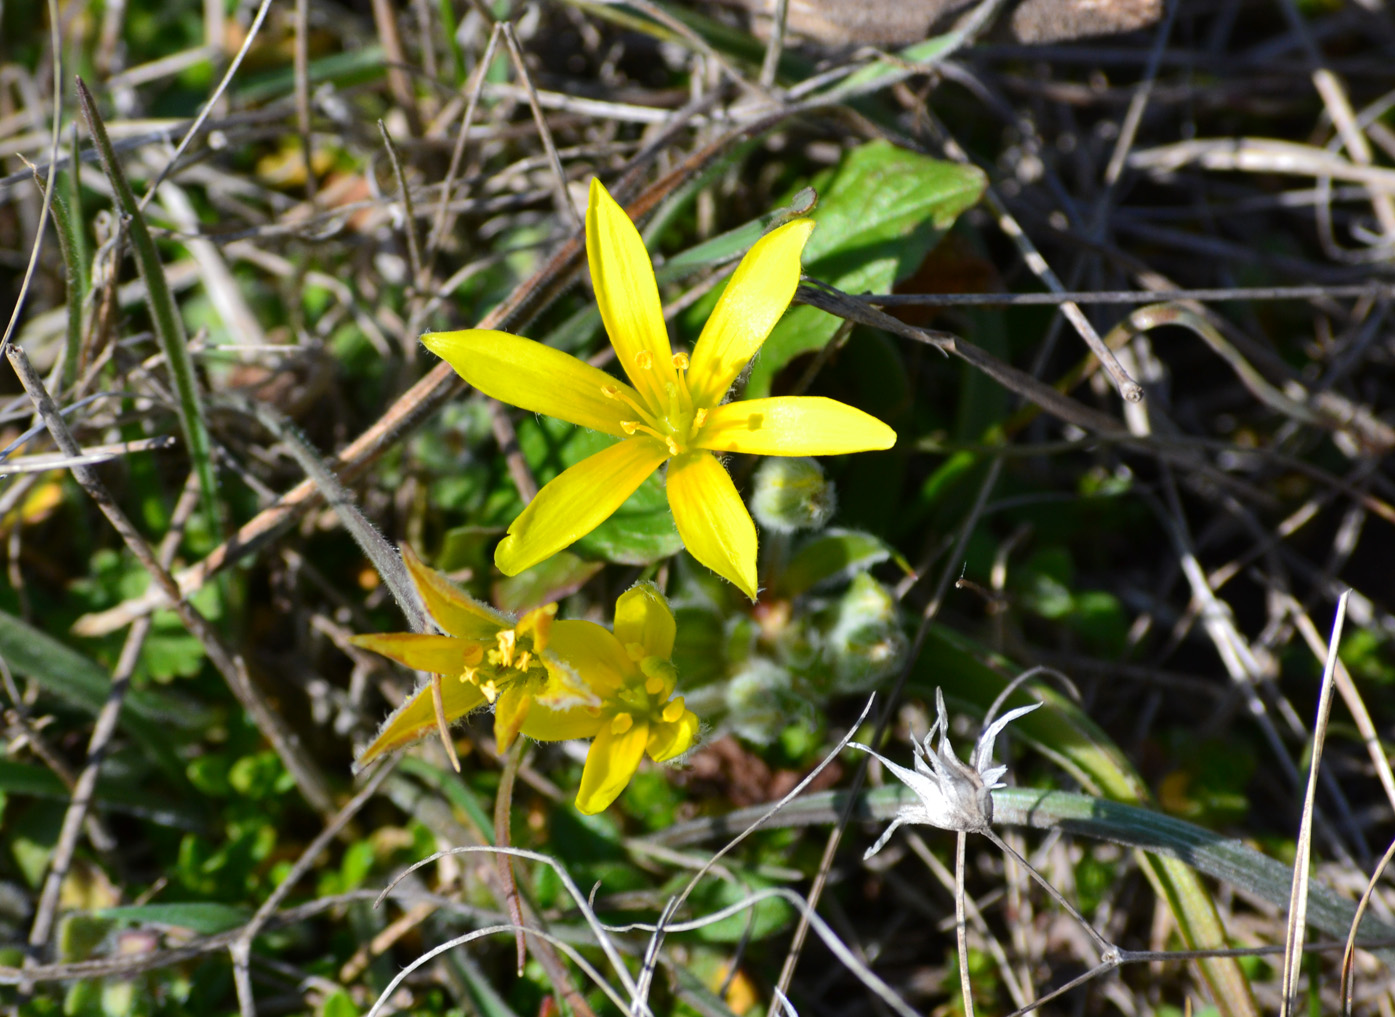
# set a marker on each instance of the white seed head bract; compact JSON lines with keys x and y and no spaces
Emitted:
{"x":951,"y":794}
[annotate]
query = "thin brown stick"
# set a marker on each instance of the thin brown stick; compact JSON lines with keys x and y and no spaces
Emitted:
{"x":565,"y":205}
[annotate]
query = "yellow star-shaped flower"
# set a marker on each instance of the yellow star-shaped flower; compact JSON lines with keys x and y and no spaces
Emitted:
{"x":671,"y":412}
{"x":484,"y":658}
{"x":548,"y":680}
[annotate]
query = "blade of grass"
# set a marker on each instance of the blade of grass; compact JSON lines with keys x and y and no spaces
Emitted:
{"x":169,"y":327}
{"x":80,"y":681}
{"x":1298,"y":896}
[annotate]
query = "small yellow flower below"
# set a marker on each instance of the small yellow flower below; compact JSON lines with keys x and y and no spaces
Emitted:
{"x":549,"y":680}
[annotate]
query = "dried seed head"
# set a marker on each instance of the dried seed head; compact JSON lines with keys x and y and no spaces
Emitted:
{"x":951,"y":794}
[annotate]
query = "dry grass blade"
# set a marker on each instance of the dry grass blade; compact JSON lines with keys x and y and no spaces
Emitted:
{"x":1349,"y":950}
{"x":1298,"y":901}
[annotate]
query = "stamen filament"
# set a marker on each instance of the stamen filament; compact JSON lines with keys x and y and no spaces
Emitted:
{"x":619,"y":394}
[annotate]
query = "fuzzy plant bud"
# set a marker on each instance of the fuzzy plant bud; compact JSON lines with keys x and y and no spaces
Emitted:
{"x":866,"y":643}
{"x":793,"y":494}
{"x":756,"y":701}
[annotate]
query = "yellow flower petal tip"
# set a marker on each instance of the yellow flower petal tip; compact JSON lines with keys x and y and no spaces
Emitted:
{"x":416,"y":718}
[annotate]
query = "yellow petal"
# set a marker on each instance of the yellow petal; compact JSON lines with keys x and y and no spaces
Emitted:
{"x":511,"y":711}
{"x":673,"y":738}
{"x":760,"y":290}
{"x":623,"y":277}
{"x":545,"y":725}
{"x":528,"y":374}
{"x":576,"y":502}
{"x":714,"y":524}
{"x":416,"y":718}
{"x":642,"y":616}
{"x":445,"y":655}
{"x":455,"y":611}
{"x":610,"y":763}
{"x":793,"y":426}
{"x":596,"y":657}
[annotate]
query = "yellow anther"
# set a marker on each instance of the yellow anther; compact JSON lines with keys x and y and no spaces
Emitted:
{"x":644,"y":360}
{"x":610,"y":391}
{"x":524,"y":659}
{"x":673,"y":448}
{"x":680,"y":361}
{"x":629,"y":426}
{"x":699,"y":418}
{"x":506,"y":639}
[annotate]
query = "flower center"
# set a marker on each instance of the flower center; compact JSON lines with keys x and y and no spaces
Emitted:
{"x":516,"y":655}
{"x":645,"y":695}
{"x":676,"y":421}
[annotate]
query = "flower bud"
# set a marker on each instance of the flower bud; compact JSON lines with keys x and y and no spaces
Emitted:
{"x":866,"y":643}
{"x":793,"y":494}
{"x":755,"y":701}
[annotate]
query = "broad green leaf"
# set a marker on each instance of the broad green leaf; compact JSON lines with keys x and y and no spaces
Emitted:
{"x":205,"y":917}
{"x":833,"y":553}
{"x":548,"y":581}
{"x":882,"y":213}
{"x":69,"y":675}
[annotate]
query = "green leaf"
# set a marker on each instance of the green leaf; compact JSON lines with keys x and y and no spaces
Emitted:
{"x":205,"y":917}
{"x":65,"y":673}
{"x":129,"y":796}
{"x":545,"y":583}
{"x":759,"y":922}
{"x":883,"y":212}
{"x":832,"y":554}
